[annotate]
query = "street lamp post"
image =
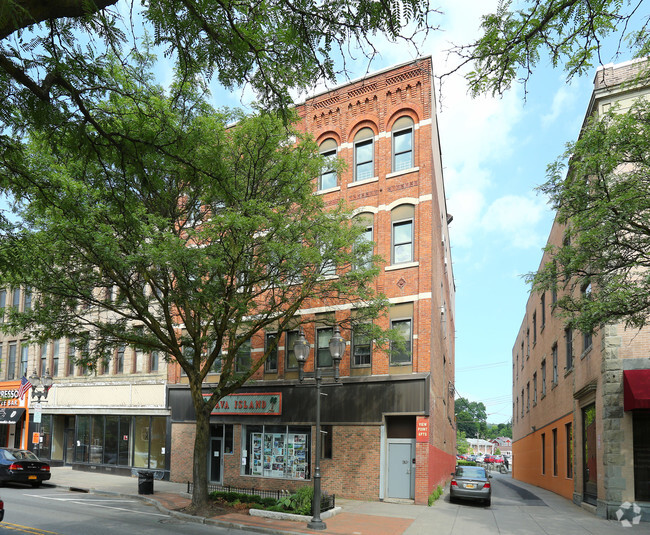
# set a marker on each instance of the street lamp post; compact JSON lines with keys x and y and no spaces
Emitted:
{"x":301,"y":350}
{"x":40,"y":388}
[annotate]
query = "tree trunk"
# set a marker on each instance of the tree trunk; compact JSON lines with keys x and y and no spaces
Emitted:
{"x":200,"y":462}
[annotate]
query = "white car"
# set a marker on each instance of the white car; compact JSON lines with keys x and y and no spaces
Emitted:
{"x":480,"y":459}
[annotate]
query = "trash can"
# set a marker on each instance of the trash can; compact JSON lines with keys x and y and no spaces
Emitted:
{"x":145,"y":482}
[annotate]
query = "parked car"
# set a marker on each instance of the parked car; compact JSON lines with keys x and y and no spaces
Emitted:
{"x":22,"y":466}
{"x":479,"y":458}
{"x":472,"y":483}
{"x":2,"y":510}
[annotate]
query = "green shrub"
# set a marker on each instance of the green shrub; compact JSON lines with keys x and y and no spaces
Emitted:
{"x":269,"y":502}
{"x":435,"y":495}
{"x":465,"y":463}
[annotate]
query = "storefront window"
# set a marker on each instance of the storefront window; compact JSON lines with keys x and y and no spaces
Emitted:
{"x":97,"y":439}
{"x":124,"y":442}
{"x":111,"y":439}
{"x":158,"y":435}
{"x":82,"y":440}
{"x":44,"y":448}
{"x":277,"y":451}
{"x":141,"y":442}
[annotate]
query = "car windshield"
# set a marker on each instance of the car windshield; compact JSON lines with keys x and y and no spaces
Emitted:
{"x":470,"y":471}
{"x":20,"y":455}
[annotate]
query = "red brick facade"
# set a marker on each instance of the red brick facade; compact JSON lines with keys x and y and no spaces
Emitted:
{"x":380,"y":115}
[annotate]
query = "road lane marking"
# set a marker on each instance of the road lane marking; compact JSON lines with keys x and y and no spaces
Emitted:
{"x":27,"y":529}
{"x":96,"y":503}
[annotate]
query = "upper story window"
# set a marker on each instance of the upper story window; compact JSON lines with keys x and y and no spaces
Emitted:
{"x":27,"y":298}
{"x":568,"y":334}
{"x":324,"y":357}
{"x":271,"y":364}
{"x":403,"y":144}
{"x":15,"y":301}
{"x":243,"y":359}
{"x":289,"y":341}
{"x":328,"y":178}
{"x":403,"y":219}
{"x":361,"y":347}
{"x":364,"y":258}
{"x":364,"y":154}
{"x":3,"y":304}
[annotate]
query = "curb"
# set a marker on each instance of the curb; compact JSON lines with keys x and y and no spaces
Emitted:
{"x":176,"y":514}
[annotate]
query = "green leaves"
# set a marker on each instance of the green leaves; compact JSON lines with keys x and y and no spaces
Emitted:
{"x":604,"y":203}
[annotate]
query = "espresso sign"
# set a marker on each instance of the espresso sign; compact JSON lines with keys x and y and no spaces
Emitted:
{"x":266,"y":403}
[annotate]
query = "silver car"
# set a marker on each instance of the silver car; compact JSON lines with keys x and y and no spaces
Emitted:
{"x":472,"y":483}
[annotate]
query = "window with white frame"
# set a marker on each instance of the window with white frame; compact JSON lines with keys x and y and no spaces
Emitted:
{"x":328,"y":177}
{"x":402,"y":219}
{"x":401,"y":352}
{"x":24,"y":358}
{"x":402,"y":144}
{"x":364,"y":154}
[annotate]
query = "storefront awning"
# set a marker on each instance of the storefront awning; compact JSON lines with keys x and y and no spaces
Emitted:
{"x":10,"y":415}
{"x":636,"y":389}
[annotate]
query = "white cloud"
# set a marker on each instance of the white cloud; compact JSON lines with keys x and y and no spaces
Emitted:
{"x":516,"y":219}
{"x":563,"y":100}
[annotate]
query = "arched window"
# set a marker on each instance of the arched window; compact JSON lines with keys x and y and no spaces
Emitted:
{"x":402,"y":220}
{"x":403,"y":144}
{"x":364,"y":154}
{"x":328,"y":178}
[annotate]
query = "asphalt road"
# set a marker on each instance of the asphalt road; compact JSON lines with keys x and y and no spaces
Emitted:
{"x":48,"y":511}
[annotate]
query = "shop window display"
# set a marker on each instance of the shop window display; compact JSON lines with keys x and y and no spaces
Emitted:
{"x":277,"y":451}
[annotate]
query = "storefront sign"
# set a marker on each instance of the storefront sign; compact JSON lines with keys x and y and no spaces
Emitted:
{"x":266,"y":403}
{"x":9,"y":396}
{"x":422,"y":429}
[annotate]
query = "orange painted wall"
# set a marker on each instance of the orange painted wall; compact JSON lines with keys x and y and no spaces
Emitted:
{"x":527,"y":455}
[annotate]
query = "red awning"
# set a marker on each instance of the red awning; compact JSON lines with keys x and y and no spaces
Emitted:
{"x":636,"y":389}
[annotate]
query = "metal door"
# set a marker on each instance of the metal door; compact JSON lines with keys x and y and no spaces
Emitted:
{"x":401,"y":470}
{"x":215,"y":460}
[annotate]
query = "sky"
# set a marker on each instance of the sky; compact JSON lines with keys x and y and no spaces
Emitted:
{"x":495,"y":152}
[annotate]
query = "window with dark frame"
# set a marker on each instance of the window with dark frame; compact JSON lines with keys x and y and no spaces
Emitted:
{"x":403,"y":144}
{"x":3,"y":304}
{"x":535,"y":388}
{"x":323,"y":355}
{"x":568,"y":337}
{"x":401,"y":353}
{"x":11,"y":361}
{"x":555,"y":374}
{"x":555,"y":452}
{"x":243,"y":358}
{"x":56,"y":344}
{"x":271,"y":364}
{"x":402,"y":250}
{"x":361,"y":348}
{"x":43,"y":359}
{"x":569,"y":449}
{"x":119,"y":363}
{"x":534,"y":328}
{"x":364,"y":154}
{"x":71,"y":356}
{"x":24,"y":358}
{"x":289,"y":340}
{"x":542,"y":304}
{"x":543,"y":377}
{"x":328,"y":178}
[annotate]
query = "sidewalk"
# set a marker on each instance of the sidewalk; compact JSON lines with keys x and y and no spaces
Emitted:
{"x":356,"y":518}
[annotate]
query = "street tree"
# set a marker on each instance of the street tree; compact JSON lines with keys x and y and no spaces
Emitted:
{"x":471,"y":417}
{"x":188,"y":237}
{"x":571,"y":34}
{"x":602,"y":196}
{"x":599,"y":186}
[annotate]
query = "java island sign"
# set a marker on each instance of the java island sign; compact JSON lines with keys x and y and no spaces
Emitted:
{"x":269,"y":403}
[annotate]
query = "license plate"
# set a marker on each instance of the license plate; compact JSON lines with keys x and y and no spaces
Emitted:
{"x":32,"y":477}
{"x":470,"y":486}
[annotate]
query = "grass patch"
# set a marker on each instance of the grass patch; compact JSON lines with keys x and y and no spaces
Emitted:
{"x":435,"y":495}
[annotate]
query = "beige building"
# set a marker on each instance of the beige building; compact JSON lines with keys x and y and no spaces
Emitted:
{"x":581,"y":422}
{"x":112,"y":419}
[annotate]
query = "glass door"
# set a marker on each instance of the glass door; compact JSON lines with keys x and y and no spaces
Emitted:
{"x":589,"y":461}
{"x":216,"y":454}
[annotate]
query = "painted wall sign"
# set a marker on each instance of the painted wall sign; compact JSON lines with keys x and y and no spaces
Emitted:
{"x":422,"y":429}
{"x":9,"y":395}
{"x":266,"y":403}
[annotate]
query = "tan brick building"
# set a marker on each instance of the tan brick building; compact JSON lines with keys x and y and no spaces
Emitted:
{"x":390,"y":430}
{"x":580,"y":427}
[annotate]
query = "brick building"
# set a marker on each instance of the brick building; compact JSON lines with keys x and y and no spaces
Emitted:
{"x":389,"y":427}
{"x":581,"y":422}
